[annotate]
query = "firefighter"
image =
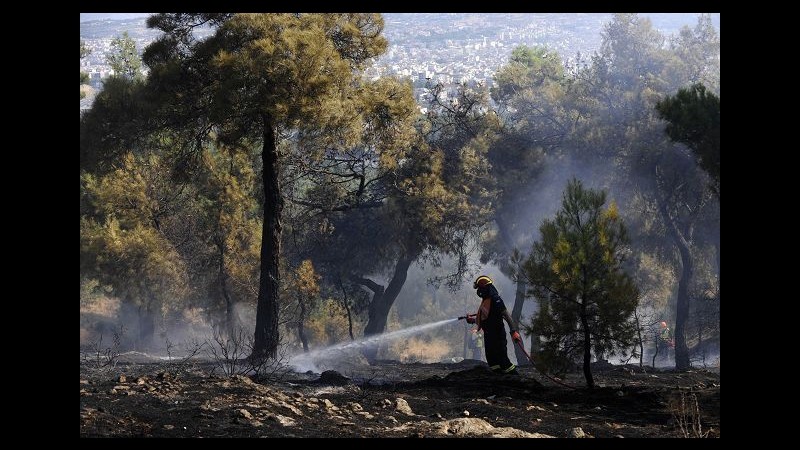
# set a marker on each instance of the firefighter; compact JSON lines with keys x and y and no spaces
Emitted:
{"x":665,"y":341}
{"x":476,"y":344}
{"x":489,"y":318}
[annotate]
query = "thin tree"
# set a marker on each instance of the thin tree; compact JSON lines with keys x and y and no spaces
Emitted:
{"x":124,"y":58}
{"x":577,"y":263}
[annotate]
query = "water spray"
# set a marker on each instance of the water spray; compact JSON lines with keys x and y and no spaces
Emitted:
{"x":305,"y":360}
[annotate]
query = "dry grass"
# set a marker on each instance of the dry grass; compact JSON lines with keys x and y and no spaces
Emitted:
{"x":686,"y":413}
{"x":102,"y":306}
{"x":420,"y":350}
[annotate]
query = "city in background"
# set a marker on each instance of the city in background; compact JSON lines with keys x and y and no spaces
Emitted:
{"x":428,"y":48}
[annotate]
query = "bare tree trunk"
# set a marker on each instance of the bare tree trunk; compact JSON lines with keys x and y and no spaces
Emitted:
{"x":346,"y":304}
{"x":655,"y":354}
{"x":349,"y":321}
{"x":380,"y":305}
{"x":682,"y":239}
{"x":301,"y":332}
{"x":147,"y":327}
{"x":266,"y":334}
{"x":516,"y":314}
{"x":587,"y":347}
{"x":639,"y":338}
{"x":682,"y":312}
{"x":700,"y":343}
{"x":230,"y":316}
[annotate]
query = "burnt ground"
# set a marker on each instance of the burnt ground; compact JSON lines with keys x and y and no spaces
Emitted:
{"x":390,"y":399}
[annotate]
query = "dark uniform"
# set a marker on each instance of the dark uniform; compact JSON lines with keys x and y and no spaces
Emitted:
{"x":490,"y":320}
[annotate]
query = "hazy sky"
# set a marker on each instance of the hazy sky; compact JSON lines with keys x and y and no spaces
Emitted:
{"x":116,"y":16}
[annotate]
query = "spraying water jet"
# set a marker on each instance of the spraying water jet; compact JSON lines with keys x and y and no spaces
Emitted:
{"x":307,"y":361}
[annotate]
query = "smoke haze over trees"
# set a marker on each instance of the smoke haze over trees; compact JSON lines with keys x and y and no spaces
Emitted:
{"x":255,"y":180}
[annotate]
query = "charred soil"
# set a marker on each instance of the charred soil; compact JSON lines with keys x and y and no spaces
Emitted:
{"x":390,"y":399}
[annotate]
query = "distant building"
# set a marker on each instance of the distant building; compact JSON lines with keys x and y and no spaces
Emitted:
{"x":86,"y":102}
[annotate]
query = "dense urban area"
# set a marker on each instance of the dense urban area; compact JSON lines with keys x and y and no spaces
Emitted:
{"x":445,"y":48}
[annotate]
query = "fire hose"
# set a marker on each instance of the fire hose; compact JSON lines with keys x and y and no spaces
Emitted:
{"x":522,"y":347}
{"x":554,"y":380}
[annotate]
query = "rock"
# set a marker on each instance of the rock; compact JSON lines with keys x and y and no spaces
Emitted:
{"x":619,"y":436}
{"x":402,"y":406}
{"x":333,"y":377}
{"x":482,"y":400}
{"x":465,"y":413}
{"x":122,"y":379}
{"x":242,"y":379}
{"x":246,"y":414}
{"x":365,"y":415}
{"x":620,"y":394}
{"x":283,"y":420}
{"x":576,"y":432}
{"x":391,"y":419}
{"x":168,"y":427}
{"x":329,"y":404}
{"x":479,"y":427}
{"x":295,"y":410}
{"x":355,"y":406}
{"x":534,"y":408}
{"x":84,"y":381}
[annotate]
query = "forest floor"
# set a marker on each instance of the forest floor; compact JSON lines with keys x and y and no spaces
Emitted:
{"x":144,"y":397}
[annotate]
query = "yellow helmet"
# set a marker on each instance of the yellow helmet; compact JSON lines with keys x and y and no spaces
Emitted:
{"x":481,"y":281}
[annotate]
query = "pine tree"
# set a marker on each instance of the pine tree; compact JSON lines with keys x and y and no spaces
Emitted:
{"x":577,"y":265}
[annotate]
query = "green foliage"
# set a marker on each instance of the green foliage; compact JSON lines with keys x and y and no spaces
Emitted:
{"x":327,"y":323}
{"x":228,"y":228}
{"x":529,"y":68}
{"x":531,"y":97}
{"x":697,"y":53}
{"x":84,"y":76}
{"x":124,"y":59}
{"x":115,"y":125}
{"x":577,"y":266}
{"x":613,"y":98}
{"x":693,"y":119}
{"x":126,"y":230}
{"x":256,"y":75}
